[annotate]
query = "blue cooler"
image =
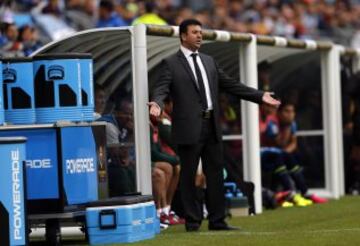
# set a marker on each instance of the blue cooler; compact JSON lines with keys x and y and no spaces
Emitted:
{"x":2,"y":113}
{"x":87,"y":87}
{"x":61,"y":165}
{"x":57,"y":79}
{"x":18,"y":90}
{"x":152,"y":221}
{"x":12,"y":205}
{"x":121,"y":220}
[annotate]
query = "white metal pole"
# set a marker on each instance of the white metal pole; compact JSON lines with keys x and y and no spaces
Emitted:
{"x":328,"y":82}
{"x":340,"y":142}
{"x":250,"y":120}
{"x":141,"y":112}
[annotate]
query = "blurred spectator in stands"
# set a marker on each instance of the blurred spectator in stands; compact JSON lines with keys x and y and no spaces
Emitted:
{"x":80,"y":14}
{"x":29,"y":38}
{"x":128,"y":9}
{"x":343,"y":29}
{"x":148,"y":14}
{"x":89,"y":7}
{"x":26,"y":5}
{"x":74,"y":5}
{"x":53,"y":8}
{"x":310,"y":19}
{"x":236,"y":9}
{"x":6,"y":11}
{"x":108,"y":16}
{"x":11,"y":46}
{"x":337,"y":20}
{"x":204,"y":17}
{"x":183,"y":14}
{"x":284,"y":24}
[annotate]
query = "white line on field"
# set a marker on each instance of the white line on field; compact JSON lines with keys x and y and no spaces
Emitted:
{"x":277,"y":232}
{"x":247,"y":233}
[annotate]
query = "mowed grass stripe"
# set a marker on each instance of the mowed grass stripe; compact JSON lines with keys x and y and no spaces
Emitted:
{"x":334,"y":223}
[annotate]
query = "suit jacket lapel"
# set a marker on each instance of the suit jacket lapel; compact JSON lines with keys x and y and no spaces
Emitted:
{"x":187,"y":67}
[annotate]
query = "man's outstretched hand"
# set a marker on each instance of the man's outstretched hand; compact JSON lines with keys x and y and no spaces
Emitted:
{"x":269,"y":100}
{"x":155,"y":109}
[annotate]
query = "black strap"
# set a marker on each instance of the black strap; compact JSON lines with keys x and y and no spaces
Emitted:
{"x":103,"y":214}
{"x":200,"y":82}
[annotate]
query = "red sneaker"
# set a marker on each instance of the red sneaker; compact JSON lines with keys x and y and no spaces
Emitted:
{"x":164,"y":219}
{"x":175,"y":220}
{"x":317,"y":199}
{"x":282,"y":196}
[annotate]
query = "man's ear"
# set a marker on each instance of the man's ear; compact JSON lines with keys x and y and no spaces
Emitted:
{"x":182,"y":35}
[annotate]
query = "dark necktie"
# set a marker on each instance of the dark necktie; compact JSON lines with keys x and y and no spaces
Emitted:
{"x":200,"y":82}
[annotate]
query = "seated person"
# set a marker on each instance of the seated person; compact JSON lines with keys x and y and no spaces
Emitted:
{"x":272,"y":159}
{"x":164,"y":127}
{"x":286,"y":140}
{"x":121,"y":166}
{"x":162,"y":168}
{"x":281,"y":133}
{"x":112,"y":131}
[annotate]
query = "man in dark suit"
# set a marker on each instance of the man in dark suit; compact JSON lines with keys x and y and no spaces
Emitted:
{"x":193,"y":80}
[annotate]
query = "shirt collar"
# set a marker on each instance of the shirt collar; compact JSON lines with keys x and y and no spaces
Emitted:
{"x":187,"y":53}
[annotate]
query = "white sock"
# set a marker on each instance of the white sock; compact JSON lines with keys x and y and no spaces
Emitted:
{"x":158,"y":212}
{"x":166,"y":210}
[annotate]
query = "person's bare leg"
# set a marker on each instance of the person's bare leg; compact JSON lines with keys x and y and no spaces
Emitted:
{"x":158,"y":185}
{"x":167,"y":169}
{"x":173,"y":185}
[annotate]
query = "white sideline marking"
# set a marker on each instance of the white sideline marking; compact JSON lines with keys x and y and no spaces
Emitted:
{"x":248,"y":233}
{"x":276,"y":232}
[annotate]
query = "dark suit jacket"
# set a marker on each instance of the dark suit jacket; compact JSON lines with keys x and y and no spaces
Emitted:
{"x":178,"y":81}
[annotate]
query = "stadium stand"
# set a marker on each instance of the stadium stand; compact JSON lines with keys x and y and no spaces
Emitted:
{"x":303,"y":19}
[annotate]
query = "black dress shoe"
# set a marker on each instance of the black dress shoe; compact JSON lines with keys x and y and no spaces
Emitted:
{"x":222,"y":227}
{"x":193,"y":227}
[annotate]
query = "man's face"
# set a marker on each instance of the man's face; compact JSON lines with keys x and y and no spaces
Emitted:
{"x":192,"y":39}
{"x":287,"y":114}
{"x":12,"y":33}
{"x":100,"y":101}
{"x":104,"y":14}
{"x":125,"y":115}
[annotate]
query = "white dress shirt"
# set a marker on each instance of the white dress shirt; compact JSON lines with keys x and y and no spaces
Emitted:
{"x":187,"y":53}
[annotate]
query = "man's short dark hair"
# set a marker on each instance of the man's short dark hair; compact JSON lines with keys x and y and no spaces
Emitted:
{"x":188,"y":22}
{"x":107,"y":4}
{"x":285,"y":104}
{"x":149,"y":6}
